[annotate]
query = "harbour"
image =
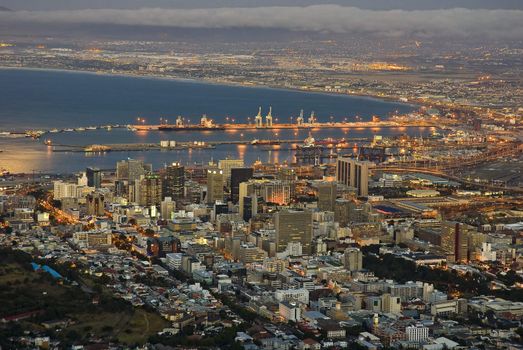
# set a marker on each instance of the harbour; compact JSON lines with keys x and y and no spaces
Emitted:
{"x":115,"y":112}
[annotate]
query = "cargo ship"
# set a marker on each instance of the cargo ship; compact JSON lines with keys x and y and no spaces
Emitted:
{"x":265,"y":142}
{"x":166,"y":127}
{"x":206,"y":123}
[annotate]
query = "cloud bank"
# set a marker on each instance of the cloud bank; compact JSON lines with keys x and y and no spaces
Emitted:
{"x":460,"y":22}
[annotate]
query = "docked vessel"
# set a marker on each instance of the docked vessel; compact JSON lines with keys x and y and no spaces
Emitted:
{"x":206,"y":123}
{"x":189,"y":127}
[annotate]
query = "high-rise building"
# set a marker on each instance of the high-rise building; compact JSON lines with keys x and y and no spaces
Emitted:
{"x":246,"y":189}
{"x":82,"y":180}
{"x":167,"y":207}
{"x":390,"y":304}
{"x":454,"y":240}
{"x":354,"y":173}
{"x":288,"y":176}
{"x":173,"y":181}
{"x":64,"y":190}
{"x":293,"y":226}
{"x":417,"y":333}
{"x":327,"y":192}
{"x":215,"y":185}
{"x":250,"y":253}
{"x":95,"y":204}
{"x":353,"y":259}
{"x":120,"y":188}
{"x":277,"y":192}
{"x":226,"y":165}
{"x":239,"y":175}
{"x":149,"y":190}
{"x":272,"y":191}
{"x":348,"y":211}
{"x":94,"y":177}
{"x":249,"y":207}
{"x":132,"y":169}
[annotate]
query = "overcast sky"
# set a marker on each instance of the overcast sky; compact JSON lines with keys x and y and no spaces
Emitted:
{"x":368,"y":4}
{"x":500,"y":19}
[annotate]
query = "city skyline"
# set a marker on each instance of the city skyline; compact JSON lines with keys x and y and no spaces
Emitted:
{"x":261,"y":175}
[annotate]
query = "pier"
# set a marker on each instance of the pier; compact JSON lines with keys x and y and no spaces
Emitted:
{"x":283,"y":126}
{"x":175,"y":146}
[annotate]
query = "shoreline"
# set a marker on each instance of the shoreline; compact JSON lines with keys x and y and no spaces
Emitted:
{"x":216,"y":82}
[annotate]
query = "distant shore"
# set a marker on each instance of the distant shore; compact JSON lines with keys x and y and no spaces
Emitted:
{"x":213,"y":82}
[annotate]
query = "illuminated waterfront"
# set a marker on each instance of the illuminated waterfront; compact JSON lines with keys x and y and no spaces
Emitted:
{"x":51,"y":99}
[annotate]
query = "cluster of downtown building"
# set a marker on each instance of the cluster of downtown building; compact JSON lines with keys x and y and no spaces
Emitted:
{"x":284,"y":244}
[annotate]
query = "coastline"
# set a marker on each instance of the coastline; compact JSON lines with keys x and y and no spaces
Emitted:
{"x":216,"y":82}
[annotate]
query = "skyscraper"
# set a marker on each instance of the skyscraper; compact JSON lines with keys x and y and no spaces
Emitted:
{"x":173,"y":181}
{"x":353,"y":259}
{"x":167,"y":207}
{"x":272,"y":191}
{"x":454,"y":240}
{"x":327,"y":192}
{"x":132,"y":169}
{"x":354,"y":173}
{"x":249,"y":207}
{"x":239,"y":175}
{"x":246,"y":190}
{"x":95,"y":204}
{"x":293,"y":226}
{"x":150,"y":190}
{"x":226,"y":165}
{"x":94,"y":177}
{"x":215,"y":184}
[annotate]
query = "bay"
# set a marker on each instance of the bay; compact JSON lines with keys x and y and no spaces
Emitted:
{"x":45,"y":99}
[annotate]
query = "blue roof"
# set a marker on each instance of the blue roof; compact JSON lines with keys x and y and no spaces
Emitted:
{"x":388,"y":209}
{"x":47,"y":269}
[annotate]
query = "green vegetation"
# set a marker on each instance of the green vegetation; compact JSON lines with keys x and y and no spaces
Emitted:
{"x":224,"y":339}
{"x":467,"y":284}
{"x":108,"y":319}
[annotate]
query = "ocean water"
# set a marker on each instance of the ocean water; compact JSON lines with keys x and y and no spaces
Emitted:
{"x":36,"y":99}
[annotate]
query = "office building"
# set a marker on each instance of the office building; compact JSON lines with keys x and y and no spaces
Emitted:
{"x":64,"y":190}
{"x":249,"y":207}
{"x":173,"y":181}
{"x":390,"y":304}
{"x":215,"y":185}
{"x":417,"y":333}
{"x":82,"y":180}
{"x":290,"y":311}
{"x":293,"y":226}
{"x":167,"y":208}
{"x":271,"y":191}
{"x":327,"y":192}
{"x":92,"y":239}
{"x":354,"y":173}
{"x":95,"y":204}
{"x":245,"y":189}
{"x":149,"y":190}
{"x":454,"y":240}
{"x":249,"y":253}
{"x":239,"y":175}
{"x":132,"y":169}
{"x":226,"y":165}
{"x":353,"y":259}
{"x":94,"y":177}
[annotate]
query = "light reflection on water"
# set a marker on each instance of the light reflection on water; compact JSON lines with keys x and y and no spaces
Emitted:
{"x":26,"y":155}
{"x":32,"y":99}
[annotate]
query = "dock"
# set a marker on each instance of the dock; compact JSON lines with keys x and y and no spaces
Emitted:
{"x":176,"y":146}
{"x":283,"y":126}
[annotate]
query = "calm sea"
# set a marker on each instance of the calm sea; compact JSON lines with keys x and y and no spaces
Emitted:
{"x":33,"y":99}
